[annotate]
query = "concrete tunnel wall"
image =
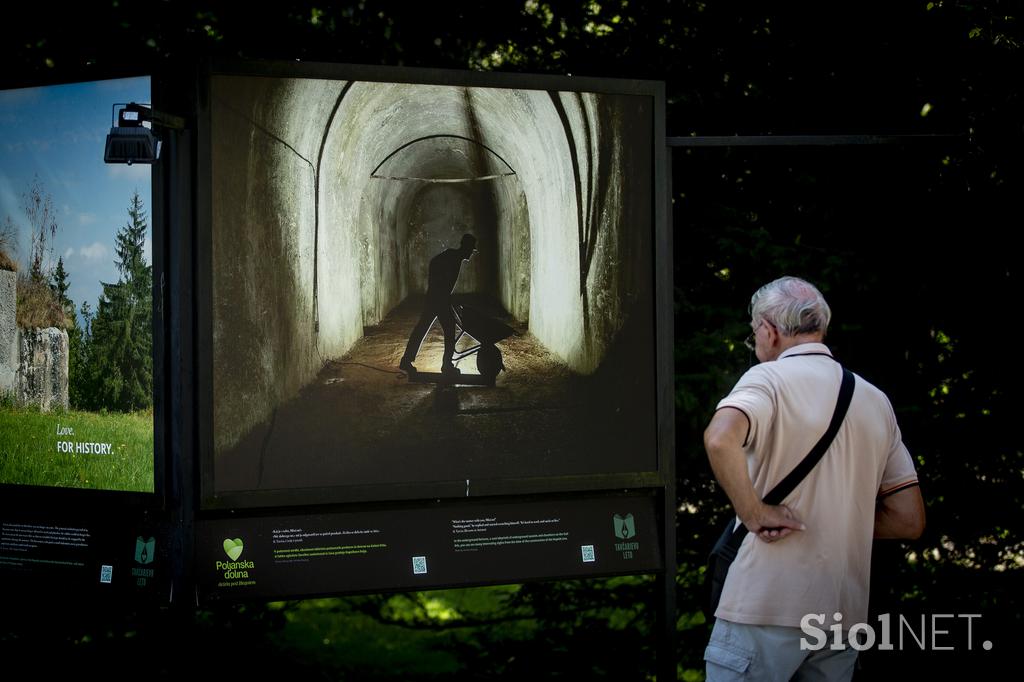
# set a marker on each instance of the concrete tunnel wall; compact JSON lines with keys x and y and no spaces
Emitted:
{"x":292,"y":162}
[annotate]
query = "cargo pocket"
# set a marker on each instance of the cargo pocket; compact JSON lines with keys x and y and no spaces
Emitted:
{"x":732,"y":660}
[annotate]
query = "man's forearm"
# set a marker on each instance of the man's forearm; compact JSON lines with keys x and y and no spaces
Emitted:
{"x":732,"y":476}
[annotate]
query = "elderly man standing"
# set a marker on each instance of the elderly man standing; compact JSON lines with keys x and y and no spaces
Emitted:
{"x":812,"y":553}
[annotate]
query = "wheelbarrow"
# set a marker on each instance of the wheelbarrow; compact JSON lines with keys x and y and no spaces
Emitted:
{"x":485,"y":332}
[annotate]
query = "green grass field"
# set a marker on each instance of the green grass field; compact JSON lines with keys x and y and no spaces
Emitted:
{"x":29,"y":449}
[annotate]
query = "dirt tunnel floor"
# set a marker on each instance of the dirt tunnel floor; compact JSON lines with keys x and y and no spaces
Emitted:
{"x":363,"y":422}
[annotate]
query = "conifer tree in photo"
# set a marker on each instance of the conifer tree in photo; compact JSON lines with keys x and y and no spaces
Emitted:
{"x":121,"y":332}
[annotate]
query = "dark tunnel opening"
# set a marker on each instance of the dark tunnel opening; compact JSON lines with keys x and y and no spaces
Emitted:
{"x":436,"y":218}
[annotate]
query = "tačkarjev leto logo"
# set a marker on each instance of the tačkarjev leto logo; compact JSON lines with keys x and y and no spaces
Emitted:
{"x":625,"y":528}
{"x":144,"y":550}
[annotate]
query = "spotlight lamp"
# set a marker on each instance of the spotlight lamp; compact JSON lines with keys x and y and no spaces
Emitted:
{"x":129,"y":141}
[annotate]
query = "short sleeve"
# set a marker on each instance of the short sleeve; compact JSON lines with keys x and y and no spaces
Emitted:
{"x":899,"y":470}
{"x":754,"y":396}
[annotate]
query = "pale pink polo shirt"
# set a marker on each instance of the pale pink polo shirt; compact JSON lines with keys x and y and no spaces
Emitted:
{"x":826,"y":568}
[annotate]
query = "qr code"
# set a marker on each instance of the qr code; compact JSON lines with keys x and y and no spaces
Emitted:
{"x":588,"y":553}
{"x":419,"y":565}
{"x":106,"y":573}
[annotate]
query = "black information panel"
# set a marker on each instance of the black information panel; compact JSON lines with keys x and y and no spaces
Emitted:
{"x":447,"y":544}
{"x":90,"y":557}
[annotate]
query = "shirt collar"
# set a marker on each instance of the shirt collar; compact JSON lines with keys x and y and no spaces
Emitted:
{"x":805,"y":348}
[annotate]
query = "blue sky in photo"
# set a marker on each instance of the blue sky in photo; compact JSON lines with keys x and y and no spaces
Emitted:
{"x":58,"y":133}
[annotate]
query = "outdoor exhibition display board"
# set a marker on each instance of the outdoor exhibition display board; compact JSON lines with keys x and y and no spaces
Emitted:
{"x":361,"y":329}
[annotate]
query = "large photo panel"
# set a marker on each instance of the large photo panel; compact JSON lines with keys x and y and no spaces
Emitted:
{"x":76,"y":293}
{"x":413,"y":283}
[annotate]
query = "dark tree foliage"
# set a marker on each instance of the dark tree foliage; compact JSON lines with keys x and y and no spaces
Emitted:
{"x":912,"y":244}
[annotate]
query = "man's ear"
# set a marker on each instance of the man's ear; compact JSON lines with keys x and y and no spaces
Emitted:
{"x":774,"y":338}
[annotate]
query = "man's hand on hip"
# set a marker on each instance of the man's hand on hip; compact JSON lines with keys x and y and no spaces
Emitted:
{"x":723,"y":440}
{"x":771,"y":522}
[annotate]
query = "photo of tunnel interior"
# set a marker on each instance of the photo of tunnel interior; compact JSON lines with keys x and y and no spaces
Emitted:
{"x":330,"y":201}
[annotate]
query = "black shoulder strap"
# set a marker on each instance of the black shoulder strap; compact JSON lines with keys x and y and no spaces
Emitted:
{"x":790,"y":482}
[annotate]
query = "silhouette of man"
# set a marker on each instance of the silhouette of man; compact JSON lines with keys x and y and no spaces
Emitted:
{"x":442,"y":275}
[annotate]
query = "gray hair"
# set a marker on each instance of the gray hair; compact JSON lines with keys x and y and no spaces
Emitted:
{"x":793,"y":305}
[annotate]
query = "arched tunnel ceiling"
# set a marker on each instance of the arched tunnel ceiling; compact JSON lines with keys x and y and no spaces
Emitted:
{"x":442,"y":158}
{"x":429,"y":128}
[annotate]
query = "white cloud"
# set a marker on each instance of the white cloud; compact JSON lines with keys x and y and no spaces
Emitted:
{"x":69,"y":253}
{"x":86,"y":218}
{"x":94,"y":251}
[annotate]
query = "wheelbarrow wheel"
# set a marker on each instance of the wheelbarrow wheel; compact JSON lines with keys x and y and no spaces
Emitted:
{"x":488,"y":361}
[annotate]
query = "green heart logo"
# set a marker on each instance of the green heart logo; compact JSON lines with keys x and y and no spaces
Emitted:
{"x":233,"y":548}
